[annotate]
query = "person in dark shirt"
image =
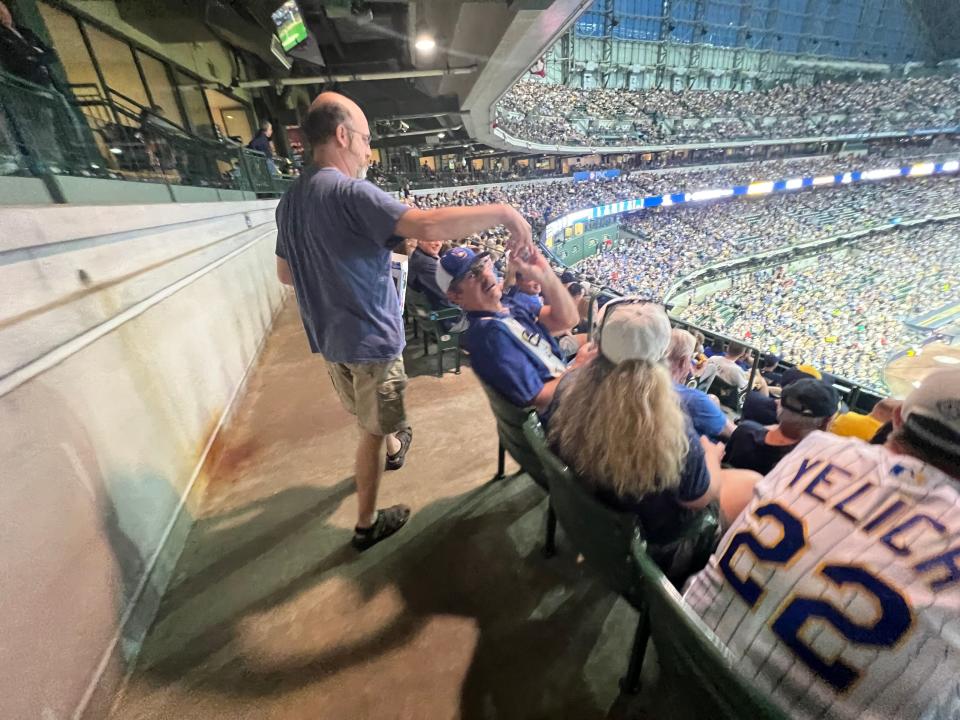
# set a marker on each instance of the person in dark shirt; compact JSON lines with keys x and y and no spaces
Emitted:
{"x":22,"y":53}
{"x":423,"y":273}
{"x":805,"y":406}
{"x":762,"y":408}
{"x":261,"y":143}
{"x":423,"y":277}
{"x":768,"y":369}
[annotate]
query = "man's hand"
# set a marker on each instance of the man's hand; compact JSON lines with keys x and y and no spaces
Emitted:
{"x":712,"y":449}
{"x":521,"y":237}
{"x":559,"y":311}
{"x":585,"y":355}
{"x":534,"y":266}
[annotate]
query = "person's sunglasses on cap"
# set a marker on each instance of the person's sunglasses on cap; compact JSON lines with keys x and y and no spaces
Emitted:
{"x":616,"y":302}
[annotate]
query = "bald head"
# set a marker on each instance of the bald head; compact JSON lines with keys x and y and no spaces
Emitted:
{"x":328,"y":111}
{"x":339,"y":134}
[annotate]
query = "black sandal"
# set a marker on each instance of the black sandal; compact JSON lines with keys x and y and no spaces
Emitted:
{"x":388,"y":521}
{"x":395,"y":461}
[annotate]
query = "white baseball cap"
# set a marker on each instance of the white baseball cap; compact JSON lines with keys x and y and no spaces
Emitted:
{"x":932,"y":411}
{"x":634,"y":331}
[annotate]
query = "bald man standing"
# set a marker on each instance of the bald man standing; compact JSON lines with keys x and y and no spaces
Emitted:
{"x":335,"y":234}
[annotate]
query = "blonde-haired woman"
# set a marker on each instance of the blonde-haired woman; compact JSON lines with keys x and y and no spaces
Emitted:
{"x":619,"y":424}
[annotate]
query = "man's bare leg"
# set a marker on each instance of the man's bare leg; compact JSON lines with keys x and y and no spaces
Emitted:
{"x":368,"y":470}
{"x":373,"y":525}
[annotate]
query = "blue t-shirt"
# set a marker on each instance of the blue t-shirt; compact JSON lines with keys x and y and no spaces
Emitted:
{"x":498,"y":357}
{"x":707,"y":418}
{"x":533,"y":302}
{"x":336,"y":232}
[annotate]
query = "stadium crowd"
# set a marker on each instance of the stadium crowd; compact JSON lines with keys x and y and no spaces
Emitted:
{"x":545,"y":201}
{"x":671,"y":242}
{"x":665,"y":244}
{"x":556,"y":114}
{"x":844,"y":314}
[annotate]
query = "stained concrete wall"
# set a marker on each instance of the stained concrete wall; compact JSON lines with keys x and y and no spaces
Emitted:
{"x":125,"y":333}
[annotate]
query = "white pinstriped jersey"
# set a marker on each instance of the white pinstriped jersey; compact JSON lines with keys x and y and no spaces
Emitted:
{"x":838,"y":588}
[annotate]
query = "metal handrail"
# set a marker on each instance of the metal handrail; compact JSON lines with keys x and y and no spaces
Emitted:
{"x":852,"y":393}
{"x":105,"y":133}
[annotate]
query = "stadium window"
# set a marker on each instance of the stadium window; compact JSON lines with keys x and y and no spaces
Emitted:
{"x":194,"y":104}
{"x":231,"y":116}
{"x":115,"y":59}
{"x":160,"y":87}
{"x":64,"y":31}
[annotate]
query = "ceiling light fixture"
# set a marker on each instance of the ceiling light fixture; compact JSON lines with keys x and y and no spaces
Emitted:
{"x":425,"y":43}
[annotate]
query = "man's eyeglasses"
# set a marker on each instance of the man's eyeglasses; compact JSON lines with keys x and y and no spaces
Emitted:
{"x":476,"y":272}
{"x":363,"y":136}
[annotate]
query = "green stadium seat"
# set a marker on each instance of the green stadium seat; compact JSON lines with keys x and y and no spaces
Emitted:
{"x":698,"y":675}
{"x":730,"y":396}
{"x":602,"y":535}
{"x":429,"y":322}
{"x":510,"y":420}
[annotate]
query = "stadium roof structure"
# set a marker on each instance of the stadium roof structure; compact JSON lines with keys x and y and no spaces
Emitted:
{"x":761,"y":41}
{"x":887,"y":31}
{"x":366,"y":49}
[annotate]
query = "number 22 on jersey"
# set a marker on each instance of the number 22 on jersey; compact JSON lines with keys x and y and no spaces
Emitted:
{"x":892,"y":624}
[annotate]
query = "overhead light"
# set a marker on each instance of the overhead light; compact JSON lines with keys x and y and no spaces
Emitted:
{"x":425,"y":43}
{"x":116,"y":151}
{"x":441,"y":135}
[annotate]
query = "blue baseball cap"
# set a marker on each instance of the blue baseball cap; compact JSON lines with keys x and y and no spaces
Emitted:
{"x":454,"y":264}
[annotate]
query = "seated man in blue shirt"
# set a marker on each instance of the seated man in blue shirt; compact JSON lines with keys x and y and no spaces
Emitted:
{"x":524,"y":290}
{"x":511,"y":347}
{"x":705,"y":414}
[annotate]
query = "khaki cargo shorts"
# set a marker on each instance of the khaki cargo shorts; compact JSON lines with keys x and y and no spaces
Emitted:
{"x":373,"y":392}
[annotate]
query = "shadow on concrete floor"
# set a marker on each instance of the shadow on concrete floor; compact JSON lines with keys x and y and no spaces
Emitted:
{"x":271,"y":615}
{"x":476,"y":556}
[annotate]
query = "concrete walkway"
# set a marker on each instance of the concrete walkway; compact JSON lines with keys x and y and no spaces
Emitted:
{"x":272,"y":615}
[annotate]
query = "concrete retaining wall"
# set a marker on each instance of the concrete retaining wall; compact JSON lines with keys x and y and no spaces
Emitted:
{"x":126,"y":332}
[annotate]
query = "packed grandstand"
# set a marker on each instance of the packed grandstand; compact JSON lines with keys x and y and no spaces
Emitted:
{"x":552,"y":114}
{"x":846,"y":312}
{"x":849,"y":334}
